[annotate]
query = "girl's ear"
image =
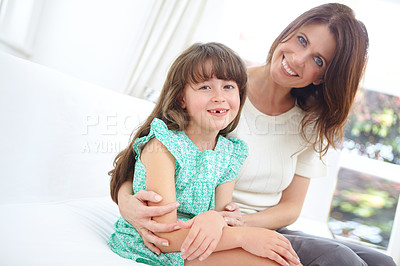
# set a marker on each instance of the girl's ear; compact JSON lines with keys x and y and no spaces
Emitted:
{"x":181,"y":101}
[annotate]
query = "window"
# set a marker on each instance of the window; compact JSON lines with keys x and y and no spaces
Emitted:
{"x":367,"y":195}
{"x":18,"y":21}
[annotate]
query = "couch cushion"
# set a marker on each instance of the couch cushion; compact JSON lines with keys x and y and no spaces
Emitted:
{"x":67,"y":233}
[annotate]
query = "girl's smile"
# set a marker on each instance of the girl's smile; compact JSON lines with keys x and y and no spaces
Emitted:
{"x":218,"y":112}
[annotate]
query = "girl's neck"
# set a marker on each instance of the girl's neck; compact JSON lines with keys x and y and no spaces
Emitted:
{"x":201,"y":140}
{"x":267,"y":96}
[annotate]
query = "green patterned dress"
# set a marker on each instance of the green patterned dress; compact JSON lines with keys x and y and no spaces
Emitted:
{"x":197,"y":174}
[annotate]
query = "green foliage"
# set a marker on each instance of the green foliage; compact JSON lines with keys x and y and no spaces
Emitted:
{"x":373,"y":127}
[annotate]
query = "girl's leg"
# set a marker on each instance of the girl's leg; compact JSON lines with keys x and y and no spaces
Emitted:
{"x":314,"y":250}
{"x":233,"y":257}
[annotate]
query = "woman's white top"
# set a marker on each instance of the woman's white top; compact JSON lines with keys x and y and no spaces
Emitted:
{"x":277,"y":151}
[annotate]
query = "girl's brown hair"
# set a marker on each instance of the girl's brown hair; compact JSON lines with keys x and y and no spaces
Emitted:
{"x":328,"y":104}
{"x":192,"y":66}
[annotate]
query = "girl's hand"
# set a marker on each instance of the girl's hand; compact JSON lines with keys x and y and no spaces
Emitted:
{"x":204,"y":235}
{"x":269,"y":244}
{"x":134,"y":209}
{"x":232,"y":215}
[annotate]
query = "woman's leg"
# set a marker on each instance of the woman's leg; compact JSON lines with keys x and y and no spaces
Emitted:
{"x":314,"y":250}
{"x":233,"y":257}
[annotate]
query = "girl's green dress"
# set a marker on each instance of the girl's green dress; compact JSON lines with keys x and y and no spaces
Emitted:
{"x":197,"y":175}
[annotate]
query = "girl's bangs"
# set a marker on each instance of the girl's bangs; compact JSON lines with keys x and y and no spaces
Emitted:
{"x":204,"y":70}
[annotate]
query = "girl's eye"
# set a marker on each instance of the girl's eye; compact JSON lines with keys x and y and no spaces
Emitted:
{"x":205,"y":87}
{"x":302,"y":40}
{"x":319,"y":61}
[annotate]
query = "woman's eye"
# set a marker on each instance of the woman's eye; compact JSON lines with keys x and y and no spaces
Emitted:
{"x":319,"y":61}
{"x":302,"y":40}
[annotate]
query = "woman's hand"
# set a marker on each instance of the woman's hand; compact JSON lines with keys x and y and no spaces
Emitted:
{"x":134,"y":209}
{"x":232,"y":215}
{"x":204,"y":235}
{"x":269,"y":244}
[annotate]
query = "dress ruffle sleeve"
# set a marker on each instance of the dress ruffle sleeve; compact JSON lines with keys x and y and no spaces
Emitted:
{"x":238,"y":155}
{"x":168,"y":138}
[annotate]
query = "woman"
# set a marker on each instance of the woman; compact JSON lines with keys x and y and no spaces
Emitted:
{"x":297,"y":106}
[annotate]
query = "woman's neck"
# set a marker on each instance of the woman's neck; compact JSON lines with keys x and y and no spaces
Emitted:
{"x":267,"y":96}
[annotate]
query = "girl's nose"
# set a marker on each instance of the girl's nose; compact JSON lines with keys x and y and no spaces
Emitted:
{"x":218,"y":95}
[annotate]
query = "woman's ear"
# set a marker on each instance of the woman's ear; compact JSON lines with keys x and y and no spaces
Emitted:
{"x":318,"y":81}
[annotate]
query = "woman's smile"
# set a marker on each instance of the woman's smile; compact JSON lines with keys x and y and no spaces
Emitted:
{"x":287,"y":69}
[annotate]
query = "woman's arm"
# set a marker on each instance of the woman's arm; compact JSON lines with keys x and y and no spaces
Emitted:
{"x":286,"y":211}
{"x":135,"y":210}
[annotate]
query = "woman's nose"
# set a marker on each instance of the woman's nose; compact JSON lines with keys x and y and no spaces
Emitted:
{"x":299,"y":59}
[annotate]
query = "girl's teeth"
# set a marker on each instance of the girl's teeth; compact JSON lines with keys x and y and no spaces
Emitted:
{"x":288,"y":70}
{"x":215,"y":111}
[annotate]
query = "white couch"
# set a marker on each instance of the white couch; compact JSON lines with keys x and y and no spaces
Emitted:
{"x":59,"y":136}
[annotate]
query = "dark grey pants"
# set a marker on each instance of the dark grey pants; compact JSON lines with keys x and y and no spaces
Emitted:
{"x":319,"y":251}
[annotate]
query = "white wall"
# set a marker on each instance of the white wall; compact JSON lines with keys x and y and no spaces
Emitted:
{"x":92,"y":39}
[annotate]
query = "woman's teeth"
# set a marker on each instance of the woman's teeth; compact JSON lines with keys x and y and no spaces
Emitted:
{"x":286,"y":67}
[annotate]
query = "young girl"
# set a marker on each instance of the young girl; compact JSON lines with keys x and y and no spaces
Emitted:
{"x":181,"y":153}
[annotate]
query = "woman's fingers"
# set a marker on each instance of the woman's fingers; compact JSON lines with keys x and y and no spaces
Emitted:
{"x":287,"y":256}
{"x":161,"y":210}
{"x":278,"y":258}
{"x":233,"y":221}
{"x":287,"y":250}
{"x":144,"y":195}
{"x":150,"y":239}
{"x":160,"y":227}
{"x":151,"y":196}
{"x":236,"y":215}
{"x":232,"y":207}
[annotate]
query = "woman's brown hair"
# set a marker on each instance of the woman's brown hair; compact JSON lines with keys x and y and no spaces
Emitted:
{"x":192,"y":66}
{"x":328,"y":104}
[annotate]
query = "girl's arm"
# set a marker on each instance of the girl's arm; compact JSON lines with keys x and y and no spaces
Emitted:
{"x":160,"y":178}
{"x":286,"y":211}
{"x":203,"y":238}
{"x":223,"y":195}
